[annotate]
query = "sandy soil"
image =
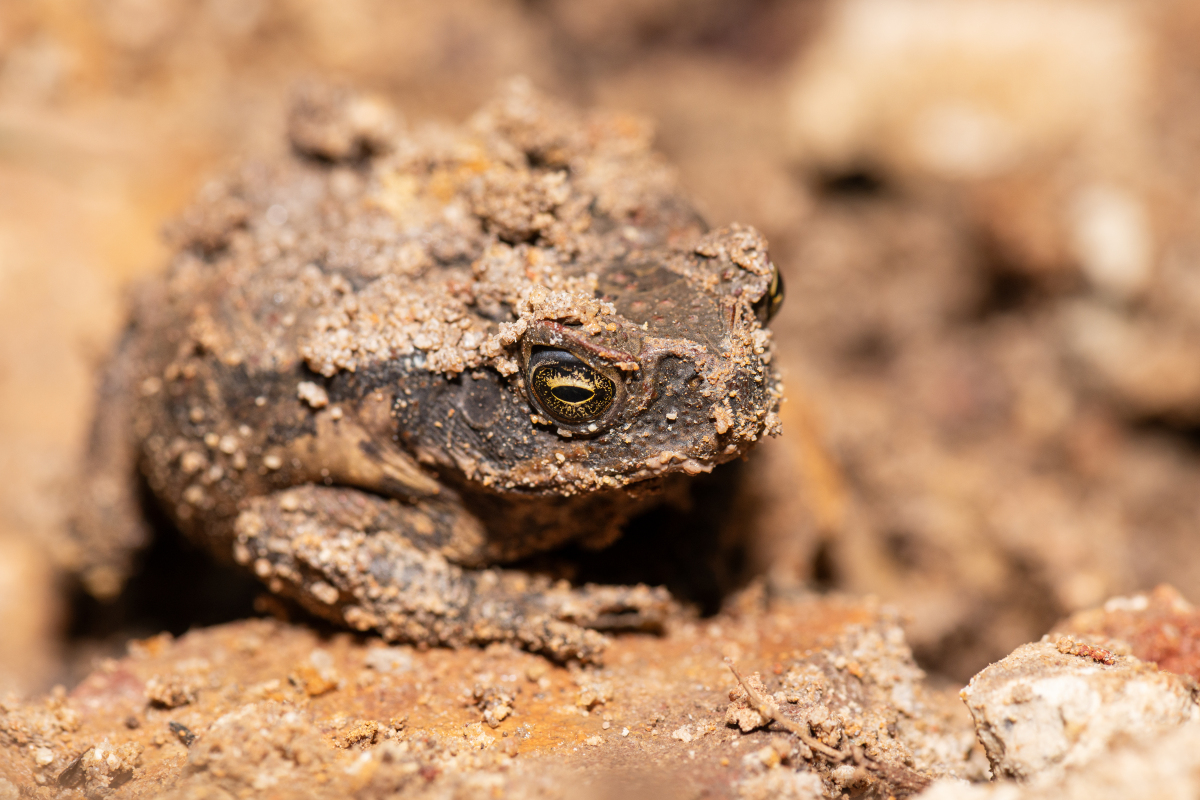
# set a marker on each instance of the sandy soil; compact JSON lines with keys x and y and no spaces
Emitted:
{"x":262,"y":705}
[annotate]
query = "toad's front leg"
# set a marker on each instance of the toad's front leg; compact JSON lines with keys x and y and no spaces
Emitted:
{"x":378,"y":564}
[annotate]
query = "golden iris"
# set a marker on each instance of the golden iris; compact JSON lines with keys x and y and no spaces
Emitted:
{"x":568,"y":389}
{"x":772,"y":301}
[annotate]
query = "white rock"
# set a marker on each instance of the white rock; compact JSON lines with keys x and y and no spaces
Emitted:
{"x":969,"y":88}
{"x":1166,"y":767}
{"x":1040,"y":710}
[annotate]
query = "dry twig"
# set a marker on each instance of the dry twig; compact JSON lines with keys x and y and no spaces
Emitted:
{"x":902,"y":779}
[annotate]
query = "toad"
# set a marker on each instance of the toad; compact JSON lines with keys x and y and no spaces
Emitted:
{"x":385,"y":367}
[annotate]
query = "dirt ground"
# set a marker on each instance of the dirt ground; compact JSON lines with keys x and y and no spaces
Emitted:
{"x":985,"y":213}
{"x":265,"y":705}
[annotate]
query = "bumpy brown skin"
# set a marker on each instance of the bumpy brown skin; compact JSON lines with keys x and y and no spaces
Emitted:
{"x":330,"y":384}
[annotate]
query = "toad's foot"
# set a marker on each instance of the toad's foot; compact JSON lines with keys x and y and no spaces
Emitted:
{"x":376,"y":564}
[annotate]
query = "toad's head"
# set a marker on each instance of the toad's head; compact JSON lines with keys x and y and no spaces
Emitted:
{"x":671,"y":373}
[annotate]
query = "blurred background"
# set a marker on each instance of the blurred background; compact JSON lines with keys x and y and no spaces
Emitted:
{"x":986,"y":212}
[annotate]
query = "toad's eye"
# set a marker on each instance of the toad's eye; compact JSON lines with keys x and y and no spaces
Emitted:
{"x":769,"y":305}
{"x":567,"y":389}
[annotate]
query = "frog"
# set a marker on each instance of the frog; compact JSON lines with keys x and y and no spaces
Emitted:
{"x":392,"y":361}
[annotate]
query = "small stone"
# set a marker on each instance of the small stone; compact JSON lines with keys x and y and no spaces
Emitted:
{"x":174,"y":690}
{"x":361,"y":734}
{"x":311,"y":393}
{"x":740,"y":713}
{"x":593,"y":693}
{"x":389,"y":659}
{"x":318,"y":676}
{"x":768,"y":756}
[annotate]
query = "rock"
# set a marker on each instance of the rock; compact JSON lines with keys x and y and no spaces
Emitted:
{"x":1161,"y":627}
{"x":1164,"y":767}
{"x":1058,"y":126}
{"x":1057,"y":704}
{"x":1041,"y":110}
{"x":780,"y":784}
{"x":1085,"y":714}
{"x":967,"y":89}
